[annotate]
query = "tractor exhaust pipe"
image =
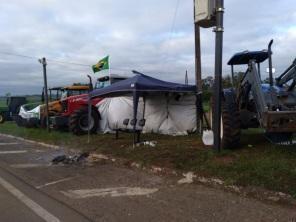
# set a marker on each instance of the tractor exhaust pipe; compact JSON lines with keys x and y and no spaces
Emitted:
{"x":90,"y":83}
{"x":270,"y":63}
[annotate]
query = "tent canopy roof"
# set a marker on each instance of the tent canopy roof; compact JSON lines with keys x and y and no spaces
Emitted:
{"x":140,"y":83}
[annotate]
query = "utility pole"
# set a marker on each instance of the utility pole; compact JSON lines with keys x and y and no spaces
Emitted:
{"x":219,"y":29}
{"x":43,"y":62}
{"x":198,"y":80}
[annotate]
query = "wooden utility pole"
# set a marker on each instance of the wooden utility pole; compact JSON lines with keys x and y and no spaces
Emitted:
{"x":43,"y":62}
{"x":198,"y":80}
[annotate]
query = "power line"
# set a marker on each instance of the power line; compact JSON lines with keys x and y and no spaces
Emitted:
{"x":57,"y":61}
{"x":70,"y":63}
{"x":52,"y":60}
{"x":172,"y":29}
{"x":174,"y":19}
{"x":19,"y":55}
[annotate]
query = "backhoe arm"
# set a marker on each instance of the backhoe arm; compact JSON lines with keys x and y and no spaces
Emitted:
{"x":288,"y":75}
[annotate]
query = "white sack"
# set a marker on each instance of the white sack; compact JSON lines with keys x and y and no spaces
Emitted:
{"x":27,"y":114}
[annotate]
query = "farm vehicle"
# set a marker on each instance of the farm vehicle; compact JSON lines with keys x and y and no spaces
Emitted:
{"x":75,"y":109}
{"x":12,"y":107}
{"x":253,"y":104}
{"x":35,"y":114}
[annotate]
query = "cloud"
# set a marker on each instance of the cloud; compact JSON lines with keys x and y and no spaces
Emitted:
{"x":136,"y":34}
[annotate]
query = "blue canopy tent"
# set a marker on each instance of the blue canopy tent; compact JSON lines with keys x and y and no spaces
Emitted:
{"x":140,"y":85}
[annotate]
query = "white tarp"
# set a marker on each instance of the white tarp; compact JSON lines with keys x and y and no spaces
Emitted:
{"x":27,"y":114}
{"x":173,"y":114}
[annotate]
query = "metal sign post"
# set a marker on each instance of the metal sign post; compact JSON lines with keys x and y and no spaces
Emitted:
{"x":43,"y":62}
{"x":209,"y":13}
{"x":218,"y":73}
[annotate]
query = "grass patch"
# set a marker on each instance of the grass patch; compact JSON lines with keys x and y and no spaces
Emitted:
{"x":261,"y":164}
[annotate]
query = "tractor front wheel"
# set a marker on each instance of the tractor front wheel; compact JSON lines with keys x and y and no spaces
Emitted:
{"x":78,"y":122}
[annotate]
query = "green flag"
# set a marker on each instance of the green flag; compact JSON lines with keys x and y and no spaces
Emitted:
{"x":101,"y":65}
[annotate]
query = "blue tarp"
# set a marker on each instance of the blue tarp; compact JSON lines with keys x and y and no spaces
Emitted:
{"x":140,"y":83}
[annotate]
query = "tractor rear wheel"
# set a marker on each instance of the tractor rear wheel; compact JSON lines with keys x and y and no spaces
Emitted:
{"x":78,"y":122}
{"x":230,"y":124}
{"x":2,"y":118}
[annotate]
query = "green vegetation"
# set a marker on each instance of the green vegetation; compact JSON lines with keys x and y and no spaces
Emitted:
{"x":256,"y":163}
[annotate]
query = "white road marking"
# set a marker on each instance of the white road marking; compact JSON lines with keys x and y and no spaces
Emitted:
{"x":54,"y":182}
{"x":5,"y":144}
{"x":113,"y":192}
{"x":41,"y":212}
{"x":13,"y":151}
{"x":28,"y":165}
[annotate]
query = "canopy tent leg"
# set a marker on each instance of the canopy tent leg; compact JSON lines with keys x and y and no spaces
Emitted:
{"x":135,"y":110}
{"x":88,"y":117}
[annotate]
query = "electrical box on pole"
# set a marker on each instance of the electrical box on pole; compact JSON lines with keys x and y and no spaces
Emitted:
{"x":205,"y":15}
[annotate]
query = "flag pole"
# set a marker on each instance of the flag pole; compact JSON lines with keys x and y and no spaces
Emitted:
{"x":109,"y":70}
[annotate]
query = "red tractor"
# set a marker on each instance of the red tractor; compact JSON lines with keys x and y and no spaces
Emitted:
{"x":75,"y":109}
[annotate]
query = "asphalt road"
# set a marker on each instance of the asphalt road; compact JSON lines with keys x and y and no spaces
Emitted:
{"x":33,"y":190}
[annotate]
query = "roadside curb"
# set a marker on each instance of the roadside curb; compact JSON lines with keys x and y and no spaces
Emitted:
{"x":186,"y":177}
{"x":31,"y":141}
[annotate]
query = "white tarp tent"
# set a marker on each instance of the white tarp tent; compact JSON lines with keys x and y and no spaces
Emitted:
{"x":172,"y":114}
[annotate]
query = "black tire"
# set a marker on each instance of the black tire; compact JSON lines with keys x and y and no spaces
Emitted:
{"x":78,"y":123}
{"x":230,"y":123}
{"x":2,"y":118}
{"x":19,"y":121}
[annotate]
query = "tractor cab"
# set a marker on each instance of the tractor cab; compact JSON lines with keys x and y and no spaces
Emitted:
{"x":244,"y":58}
{"x":74,"y":90}
{"x":285,"y":82}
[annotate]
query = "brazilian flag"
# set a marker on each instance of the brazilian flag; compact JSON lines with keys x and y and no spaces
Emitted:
{"x":101,"y":65}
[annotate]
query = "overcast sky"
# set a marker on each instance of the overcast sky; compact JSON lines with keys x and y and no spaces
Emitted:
{"x":138,"y":35}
